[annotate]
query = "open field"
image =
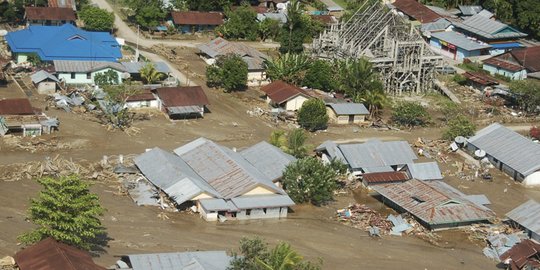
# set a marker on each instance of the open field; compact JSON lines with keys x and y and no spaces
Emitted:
{"x":311,"y":230}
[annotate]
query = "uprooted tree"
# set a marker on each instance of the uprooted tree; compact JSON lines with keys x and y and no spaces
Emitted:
{"x":115,"y":110}
{"x":67,"y":211}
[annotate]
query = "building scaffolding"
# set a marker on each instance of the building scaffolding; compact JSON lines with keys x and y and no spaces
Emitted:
{"x":394,"y":46}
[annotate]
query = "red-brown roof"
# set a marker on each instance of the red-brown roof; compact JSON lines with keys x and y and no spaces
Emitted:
{"x":280,"y":91}
{"x":416,"y":10}
{"x":16,"y":106}
{"x":385,"y":177}
{"x":528,"y":57}
{"x":197,"y":18}
{"x":481,"y":78}
{"x":257,"y":9}
{"x":326,"y":19}
{"x":49,"y":254}
{"x":62,"y":3}
{"x":497,"y":62}
{"x":50,"y":13}
{"x":143,"y":96}
{"x":182,"y":96}
{"x":526,"y":252}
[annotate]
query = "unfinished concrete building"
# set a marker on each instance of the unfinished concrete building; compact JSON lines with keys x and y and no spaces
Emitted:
{"x":394,"y":46}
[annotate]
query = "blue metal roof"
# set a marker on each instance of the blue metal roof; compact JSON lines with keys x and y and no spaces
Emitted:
{"x":65,"y":42}
{"x":506,"y":45}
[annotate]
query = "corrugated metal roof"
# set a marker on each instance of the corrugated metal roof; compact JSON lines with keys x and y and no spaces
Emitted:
{"x":377,"y":154}
{"x":425,"y":171}
{"x":333,"y":151}
{"x":85,"y":66}
{"x":280,"y":91}
{"x":41,"y":76}
{"x":527,"y":215}
{"x":488,"y":28}
{"x":262,"y":201}
{"x":205,"y":260}
{"x":220,"y":46}
{"x":16,"y":106}
{"x":378,"y":169}
{"x":438,"y":25}
{"x":227,"y":171}
{"x":197,"y":18}
{"x":509,"y":147}
{"x":459,"y":40}
{"x":135,"y":67}
{"x":215,"y":205}
{"x":469,"y":10}
{"x":182,"y":96}
{"x":268,"y":159}
{"x":523,"y":254}
{"x":174,"y":176}
{"x":348,"y":108}
{"x":485,"y":13}
{"x":184,"y":110}
{"x":478,"y":199}
{"x":434,"y":202}
{"x":416,"y":10}
{"x":385,"y":177}
{"x":50,"y":254}
{"x":50,"y":13}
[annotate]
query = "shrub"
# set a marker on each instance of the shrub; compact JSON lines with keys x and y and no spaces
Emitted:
{"x":410,"y":114}
{"x":312,"y":115}
{"x":230,"y":72}
{"x":459,"y":79}
{"x":459,"y":126}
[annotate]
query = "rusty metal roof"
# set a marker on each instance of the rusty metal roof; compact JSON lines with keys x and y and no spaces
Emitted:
{"x":526,"y":252}
{"x":280,"y":91}
{"x":416,"y":10}
{"x":385,"y":177}
{"x":50,"y":254}
{"x":182,"y":96}
{"x":480,"y":78}
{"x":16,"y":106}
{"x":434,"y":202}
{"x":50,"y":13}
{"x":63,"y":4}
{"x":197,"y":18}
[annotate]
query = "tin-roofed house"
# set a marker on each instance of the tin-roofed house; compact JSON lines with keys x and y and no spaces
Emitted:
{"x":501,"y":37}
{"x":347,"y":113}
{"x":144,"y":99}
{"x":212,"y":50}
{"x":18,"y":116}
{"x":369,"y":157}
{"x":515,"y":64}
{"x":134,"y":69}
{"x":286,"y":96}
{"x":45,"y":82}
{"x":456,"y":45}
{"x":220,"y":182}
{"x":49,"y":16}
{"x":435,"y":204}
{"x":84,"y":72}
{"x":197,"y":260}
{"x":416,"y":11}
{"x":196,"y":21}
{"x":527,"y":216}
{"x":182,"y":102}
{"x":509,"y":151}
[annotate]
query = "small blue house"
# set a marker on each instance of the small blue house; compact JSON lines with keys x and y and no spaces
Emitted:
{"x":456,"y":46}
{"x":66,"y":42}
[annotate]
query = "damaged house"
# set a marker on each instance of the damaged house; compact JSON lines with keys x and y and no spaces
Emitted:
{"x":182,"y":102}
{"x":220,"y":182}
{"x":435,"y":204}
{"x":527,"y":216}
{"x":18,"y":116}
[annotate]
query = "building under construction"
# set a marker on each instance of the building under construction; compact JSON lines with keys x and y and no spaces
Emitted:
{"x":394,"y":46}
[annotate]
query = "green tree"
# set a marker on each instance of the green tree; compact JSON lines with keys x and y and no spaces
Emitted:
{"x":459,"y":126}
{"x":410,"y":114}
{"x":375,"y":99}
{"x":309,"y":180}
{"x":67,"y":211}
{"x":356,"y":77}
{"x":320,"y":75}
{"x":295,"y":31}
{"x":241,"y":24}
{"x":527,"y":94}
{"x":109,"y":77}
{"x":290,"y":68}
{"x":149,"y":73}
{"x":312,"y":115}
{"x":97,"y":19}
{"x":293,"y":143}
{"x":147,"y":14}
{"x":230,"y":72}
{"x":209,"y":5}
{"x":268,"y":29}
{"x":528,"y":16}
{"x":254,"y":254}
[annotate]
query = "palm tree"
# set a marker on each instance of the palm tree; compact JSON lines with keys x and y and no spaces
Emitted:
{"x":357,"y":76}
{"x":375,"y":99}
{"x":149,"y":73}
{"x":282,"y":257}
{"x":296,"y":143}
{"x":287,"y":67}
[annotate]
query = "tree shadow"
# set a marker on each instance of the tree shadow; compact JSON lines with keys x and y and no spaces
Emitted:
{"x":99,"y":245}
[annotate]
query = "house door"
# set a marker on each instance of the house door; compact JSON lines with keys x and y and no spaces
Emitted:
{"x":351,"y":119}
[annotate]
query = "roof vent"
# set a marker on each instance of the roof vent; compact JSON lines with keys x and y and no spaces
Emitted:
{"x":77,"y":37}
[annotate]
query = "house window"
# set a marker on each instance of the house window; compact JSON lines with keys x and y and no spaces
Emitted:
{"x":248,"y":212}
{"x":73,"y":75}
{"x":88,"y":76}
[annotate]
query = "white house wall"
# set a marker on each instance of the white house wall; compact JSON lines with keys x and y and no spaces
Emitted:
{"x":142,"y":104}
{"x":295,"y":103}
{"x":81,"y":78}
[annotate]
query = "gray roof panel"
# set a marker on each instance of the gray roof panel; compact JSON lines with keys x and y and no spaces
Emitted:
{"x":41,"y":76}
{"x":348,"y":108}
{"x":262,"y":201}
{"x":220,"y":46}
{"x":527,"y":215}
{"x":488,"y":28}
{"x":215,"y":205}
{"x":425,"y":171}
{"x":509,"y":147}
{"x":205,"y":260}
{"x":135,"y":67}
{"x":85,"y":66}
{"x":459,"y":40}
{"x":377,"y":154}
{"x":469,"y":10}
{"x":268,"y":159}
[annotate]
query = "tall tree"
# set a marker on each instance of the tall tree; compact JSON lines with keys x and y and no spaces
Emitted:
{"x":295,"y":31}
{"x":528,"y":16}
{"x":320,"y":75}
{"x":97,"y":19}
{"x":209,"y":5}
{"x":230,"y":72}
{"x":374,"y":98}
{"x":241,"y":23}
{"x":290,"y":68}
{"x":356,"y":77}
{"x":312,"y":115}
{"x":282,"y":257}
{"x":67,"y":211}
{"x":149,"y":73}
